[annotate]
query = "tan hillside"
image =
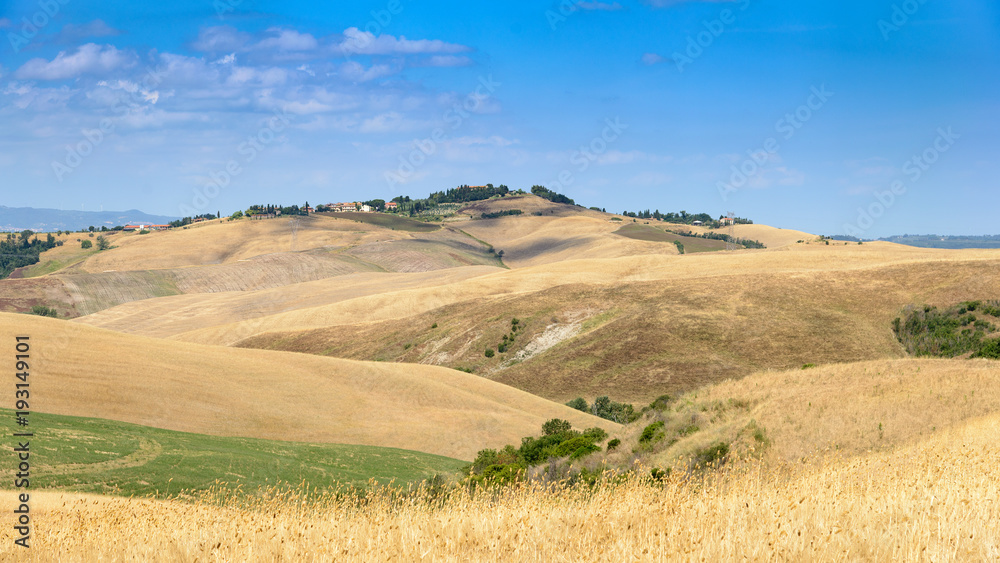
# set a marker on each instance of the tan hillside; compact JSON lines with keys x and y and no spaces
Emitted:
{"x":531,"y":241}
{"x":772,"y":237}
{"x":168,"y":316}
{"x":237,"y":256}
{"x":82,"y":371}
{"x":637,"y":339}
{"x":797,"y":259}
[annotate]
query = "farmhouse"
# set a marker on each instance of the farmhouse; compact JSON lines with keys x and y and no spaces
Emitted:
{"x":392,"y":205}
{"x":343,"y":207}
{"x":145,"y":227}
{"x":262,"y":216}
{"x":697,"y":223}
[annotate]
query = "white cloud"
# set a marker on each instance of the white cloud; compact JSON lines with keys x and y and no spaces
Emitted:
{"x":628,"y":157}
{"x":27,"y":94}
{"x":667,"y":3}
{"x":305,"y":68}
{"x":493,"y":140}
{"x":601,"y":6}
{"x":183,"y":70}
{"x":383,"y":123}
{"x":358,"y":73}
{"x":288,"y":40}
{"x":650,"y":179}
{"x":448,"y":61}
{"x":88,"y":59}
{"x":133,"y":88}
{"x":221,"y":39}
{"x":263,"y":77}
{"x":73,"y":33}
{"x":366,"y":43}
{"x":227,"y":60}
{"x":653,"y":58}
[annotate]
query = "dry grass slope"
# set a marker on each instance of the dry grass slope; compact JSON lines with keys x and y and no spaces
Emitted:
{"x":637,"y":339}
{"x":237,"y":256}
{"x":89,"y":372}
{"x":934,"y":501}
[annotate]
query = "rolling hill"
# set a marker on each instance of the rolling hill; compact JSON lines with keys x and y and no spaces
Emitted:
{"x":83,"y":371}
{"x":224,"y":256}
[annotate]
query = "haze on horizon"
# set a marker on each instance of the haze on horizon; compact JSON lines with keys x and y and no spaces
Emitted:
{"x":793,"y":115}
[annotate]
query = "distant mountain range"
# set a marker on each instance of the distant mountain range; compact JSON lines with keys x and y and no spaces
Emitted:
{"x":936,"y":241}
{"x":47,"y":220}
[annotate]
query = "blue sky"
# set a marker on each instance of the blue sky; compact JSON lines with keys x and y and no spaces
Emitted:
{"x":870,"y":118}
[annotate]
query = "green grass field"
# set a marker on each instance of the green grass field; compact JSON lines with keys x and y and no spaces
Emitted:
{"x":655,"y":234}
{"x":388,"y":221}
{"x":108,"y":457}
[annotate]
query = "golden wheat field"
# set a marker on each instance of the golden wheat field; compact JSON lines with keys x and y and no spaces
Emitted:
{"x":933,"y":501}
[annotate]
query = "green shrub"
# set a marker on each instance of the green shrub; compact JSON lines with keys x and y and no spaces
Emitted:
{"x":622,"y":413}
{"x":501,"y":474}
{"x":652,"y":433}
{"x":489,"y":353}
{"x":435,"y":325}
{"x":584,"y":450}
{"x":502,"y":347}
{"x":579,"y":404}
{"x":990,"y":349}
{"x":86,"y":244}
{"x":613,"y":444}
{"x":556,"y":426}
{"x":712,"y":455}
{"x":573,"y":445}
{"x":657,"y":474}
{"x":947,"y":333}
{"x":688,"y":430}
{"x":43,"y":311}
{"x":596,"y":434}
{"x":807,"y":366}
{"x":661,"y":403}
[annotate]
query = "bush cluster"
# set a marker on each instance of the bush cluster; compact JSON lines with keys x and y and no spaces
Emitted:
{"x":955,"y":331}
{"x":604,"y":407}
{"x":43,"y":311}
{"x":508,"y":339}
{"x":558,"y":441}
{"x":499,"y":214}
{"x":19,"y":250}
